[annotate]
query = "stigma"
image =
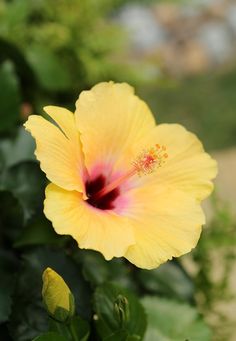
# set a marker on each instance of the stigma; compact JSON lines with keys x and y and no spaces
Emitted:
{"x":145,"y":163}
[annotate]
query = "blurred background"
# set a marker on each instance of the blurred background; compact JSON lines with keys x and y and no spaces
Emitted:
{"x":181,"y":58}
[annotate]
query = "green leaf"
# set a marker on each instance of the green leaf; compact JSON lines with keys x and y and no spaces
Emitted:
{"x":133,"y":338}
{"x":60,"y":328}
{"x":36,"y":233}
{"x":49,"y":69}
{"x":169,"y":320}
{"x":8,"y":267}
{"x":10,"y":51}
{"x":80,"y":328}
{"x":2,"y":161}
{"x":11,"y":217}
{"x":169,"y":280}
{"x":18,"y":148}
{"x":50,"y":336}
{"x":10,"y":97}
{"x":29,"y":318}
{"x":97,"y":270}
{"x":77,"y":330}
{"x":122,"y":335}
{"x":95,"y":267}
{"x":108,"y":322}
{"x":4,"y":332}
{"x":26,"y":182}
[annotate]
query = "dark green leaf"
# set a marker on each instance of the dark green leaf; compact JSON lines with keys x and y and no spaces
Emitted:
{"x":8,"y":267}
{"x":120,"y":335}
{"x":10,"y":98}
{"x":95,"y":267}
{"x":77,"y":330}
{"x":13,"y":53}
{"x":97,"y":270}
{"x":26,"y":181}
{"x":29,"y":318}
{"x":169,"y":320}
{"x":169,"y":280}
{"x":80,"y":328}
{"x":51,"y":72}
{"x":107,"y":320}
{"x":11,"y":217}
{"x":2,"y":162}
{"x":4,"y":332}
{"x":36,"y":233}
{"x":18,"y":148}
{"x":60,"y":328}
{"x":50,"y":336}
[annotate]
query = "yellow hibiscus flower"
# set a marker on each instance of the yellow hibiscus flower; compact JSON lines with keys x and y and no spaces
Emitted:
{"x":120,"y":184}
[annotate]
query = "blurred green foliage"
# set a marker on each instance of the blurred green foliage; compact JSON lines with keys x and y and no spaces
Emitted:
{"x":51,"y":51}
{"x":215,"y":259}
{"x":162,"y":314}
{"x":205,"y":104}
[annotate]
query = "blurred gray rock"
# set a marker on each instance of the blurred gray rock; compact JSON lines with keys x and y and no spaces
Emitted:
{"x":231,"y":17}
{"x":145,"y":32}
{"x":184,"y":38}
{"x":216,"y":38}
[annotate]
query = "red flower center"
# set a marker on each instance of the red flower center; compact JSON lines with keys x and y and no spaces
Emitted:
{"x":104,"y":202}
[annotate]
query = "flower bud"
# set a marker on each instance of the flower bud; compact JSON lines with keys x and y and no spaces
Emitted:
{"x":57,"y":297}
{"x":121,"y":310}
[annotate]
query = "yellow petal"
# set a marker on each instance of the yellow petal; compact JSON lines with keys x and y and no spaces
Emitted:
{"x":187,"y":167}
{"x":58,"y":148}
{"x":111,"y":119}
{"x":92,"y":228}
{"x":167,"y":224}
{"x":65,"y":119}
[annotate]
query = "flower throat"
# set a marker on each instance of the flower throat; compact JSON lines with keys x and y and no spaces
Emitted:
{"x":102,"y":195}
